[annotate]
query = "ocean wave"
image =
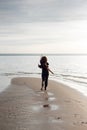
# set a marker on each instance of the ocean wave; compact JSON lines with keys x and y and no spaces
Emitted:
{"x":73,"y":78}
{"x":18,"y":73}
{"x":77,"y":81}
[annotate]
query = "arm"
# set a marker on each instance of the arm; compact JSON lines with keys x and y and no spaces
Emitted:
{"x":48,"y":68}
{"x":50,"y":71}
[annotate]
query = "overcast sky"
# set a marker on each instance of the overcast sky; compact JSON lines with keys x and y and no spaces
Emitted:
{"x":43,"y":26}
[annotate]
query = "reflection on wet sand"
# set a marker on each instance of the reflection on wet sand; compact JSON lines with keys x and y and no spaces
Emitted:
{"x":46,"y":102}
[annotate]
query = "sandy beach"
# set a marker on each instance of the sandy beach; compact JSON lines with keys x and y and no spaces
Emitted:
{"x":23,"y":106}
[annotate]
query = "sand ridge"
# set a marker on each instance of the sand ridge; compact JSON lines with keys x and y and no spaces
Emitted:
{"x":24,"y":107}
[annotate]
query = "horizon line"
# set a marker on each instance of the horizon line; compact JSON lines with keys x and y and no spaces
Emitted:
{"x":4,"y":54}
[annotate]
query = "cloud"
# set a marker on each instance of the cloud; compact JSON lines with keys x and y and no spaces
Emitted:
{"x":28,"y":25}
{"x":34,"y":33}
{"x":41,"y":10}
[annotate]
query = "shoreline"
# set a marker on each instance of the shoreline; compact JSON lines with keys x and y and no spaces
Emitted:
{"x":72,"y":85}
{"x":24,"y":106}
{"x":81,"y":89}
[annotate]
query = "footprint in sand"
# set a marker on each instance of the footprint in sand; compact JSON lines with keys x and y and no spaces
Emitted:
{"x":77,"y":115}
{"x":57,"y":120}
{"x":80,"y":123}
{"x":46,"y":105}
{"x":84,"y":122}
{"x":52,"y":107}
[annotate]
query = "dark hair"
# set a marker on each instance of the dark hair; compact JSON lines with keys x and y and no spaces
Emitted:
{"x":43,"y":59}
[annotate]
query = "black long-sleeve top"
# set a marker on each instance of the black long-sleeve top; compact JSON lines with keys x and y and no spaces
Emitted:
{"x":44,"y":67}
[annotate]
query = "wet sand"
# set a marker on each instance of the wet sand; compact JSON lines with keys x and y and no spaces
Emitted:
{"x":23,"y":106}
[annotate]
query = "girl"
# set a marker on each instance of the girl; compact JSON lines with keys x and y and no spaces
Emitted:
{"x":44,"y":65}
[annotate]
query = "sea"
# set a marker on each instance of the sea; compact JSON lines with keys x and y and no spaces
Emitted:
{"x":69,"y":69}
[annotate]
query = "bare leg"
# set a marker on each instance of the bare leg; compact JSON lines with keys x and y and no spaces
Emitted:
{"x":42,"y":84}
{"x":46,"y":82}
